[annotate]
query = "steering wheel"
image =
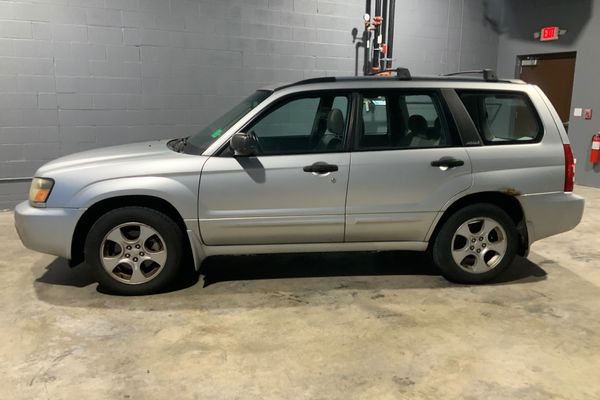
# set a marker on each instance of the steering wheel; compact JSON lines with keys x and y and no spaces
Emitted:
{"x":254,"y":138}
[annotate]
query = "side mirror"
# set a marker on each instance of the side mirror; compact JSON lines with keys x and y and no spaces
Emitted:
{"x":244,"y":144}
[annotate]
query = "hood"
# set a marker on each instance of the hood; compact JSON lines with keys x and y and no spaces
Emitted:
{"x":107,"y":156}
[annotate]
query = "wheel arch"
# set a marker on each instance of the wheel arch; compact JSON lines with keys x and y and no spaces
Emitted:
{"x":505,"y":201}
{"x":101,"y":207}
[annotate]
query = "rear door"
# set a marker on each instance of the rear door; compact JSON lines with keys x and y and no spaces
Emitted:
{"x":407,"y":162}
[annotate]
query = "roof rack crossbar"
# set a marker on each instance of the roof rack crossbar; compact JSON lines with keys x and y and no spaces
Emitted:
{"x":402,"y":74}
{"x":489,"y":75}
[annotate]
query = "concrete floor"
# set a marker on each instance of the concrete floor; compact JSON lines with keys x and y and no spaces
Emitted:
{"x":324,"y":326}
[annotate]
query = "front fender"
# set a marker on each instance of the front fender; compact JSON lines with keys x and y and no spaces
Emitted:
{"x":180,"y":191}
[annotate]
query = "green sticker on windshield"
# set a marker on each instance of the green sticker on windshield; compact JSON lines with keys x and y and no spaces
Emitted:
{"x":216,"y":133}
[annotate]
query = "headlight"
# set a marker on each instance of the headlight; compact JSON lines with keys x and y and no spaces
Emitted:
{"x":40,"y":190}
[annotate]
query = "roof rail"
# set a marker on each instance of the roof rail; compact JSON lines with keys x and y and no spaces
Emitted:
{"x":489,"y":75}
{"x":323,"y":79}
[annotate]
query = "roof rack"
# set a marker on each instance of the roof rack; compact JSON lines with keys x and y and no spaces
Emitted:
{"x":489,"y":75}
{"x":402,"y":74}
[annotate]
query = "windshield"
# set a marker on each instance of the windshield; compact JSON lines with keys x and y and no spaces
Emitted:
{"x":203,"y":139}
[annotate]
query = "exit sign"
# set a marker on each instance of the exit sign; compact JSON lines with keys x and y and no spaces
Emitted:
{"x":549,"y":33}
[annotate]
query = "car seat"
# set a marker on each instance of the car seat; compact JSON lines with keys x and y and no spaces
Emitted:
{"x":332,"y":138}
{"x":421,"y":134}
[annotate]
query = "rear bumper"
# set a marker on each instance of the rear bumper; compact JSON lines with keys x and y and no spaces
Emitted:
{"x":551,"y":213}
{"x":47,"y":230}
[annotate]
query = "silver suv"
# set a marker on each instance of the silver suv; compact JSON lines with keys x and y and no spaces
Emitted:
{"x":471,"y":170}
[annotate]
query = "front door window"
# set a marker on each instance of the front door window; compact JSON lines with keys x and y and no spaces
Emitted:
{"x":303,"y":125}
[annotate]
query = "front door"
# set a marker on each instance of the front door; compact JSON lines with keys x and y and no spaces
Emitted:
{"x":294,"y":191}
{"x":406,"y":165}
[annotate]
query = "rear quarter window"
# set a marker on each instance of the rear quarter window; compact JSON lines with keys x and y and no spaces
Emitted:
{"x":503,"y":117}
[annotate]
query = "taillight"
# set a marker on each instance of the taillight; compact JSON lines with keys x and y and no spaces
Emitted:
{"x":569,"y":168}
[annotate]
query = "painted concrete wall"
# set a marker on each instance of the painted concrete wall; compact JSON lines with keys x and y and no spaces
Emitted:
{"x":79,"y":74}
{"x":582,"y":20}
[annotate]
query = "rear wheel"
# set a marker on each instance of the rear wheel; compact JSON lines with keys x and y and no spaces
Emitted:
{"x":475,"y":244}
{"x":134,"y":250}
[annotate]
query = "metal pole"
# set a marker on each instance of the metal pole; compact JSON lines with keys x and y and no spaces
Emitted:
{"x":366,"y":47}
{"x":384,"y":25}
{"x":390,"y":38}
{"x":356,"y":47}
{"x":366,"y":41}
{"x":16,"y":180}
{"x":375,"y":62}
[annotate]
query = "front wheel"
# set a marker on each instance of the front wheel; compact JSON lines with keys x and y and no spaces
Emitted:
{"x":475,"y":244}
{"x":134,"y":250}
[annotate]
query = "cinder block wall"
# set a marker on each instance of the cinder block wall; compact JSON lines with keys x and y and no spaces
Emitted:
{"x":79,"y":74}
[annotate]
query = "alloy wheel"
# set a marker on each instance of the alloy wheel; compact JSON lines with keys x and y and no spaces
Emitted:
{"x":479,"y":245}
{"x":133,"y":253}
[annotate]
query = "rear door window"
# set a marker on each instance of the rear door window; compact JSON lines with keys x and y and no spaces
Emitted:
{"x":402,"y":119}
{"x":503,"y":117}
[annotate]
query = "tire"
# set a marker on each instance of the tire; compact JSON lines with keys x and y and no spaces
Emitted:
{"x":135,"y":251}
{"x":475,"y":244}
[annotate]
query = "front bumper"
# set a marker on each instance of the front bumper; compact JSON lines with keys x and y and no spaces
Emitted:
{"x":548,"y":214}
{"x":47,"y":230}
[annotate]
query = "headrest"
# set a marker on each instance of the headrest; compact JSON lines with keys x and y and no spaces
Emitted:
{"x":335,"y":122}
{"x":417,"y":124}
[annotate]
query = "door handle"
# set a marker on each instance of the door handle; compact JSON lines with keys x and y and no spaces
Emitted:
{"x":447,"y":162}
{"x":320,"y":168}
